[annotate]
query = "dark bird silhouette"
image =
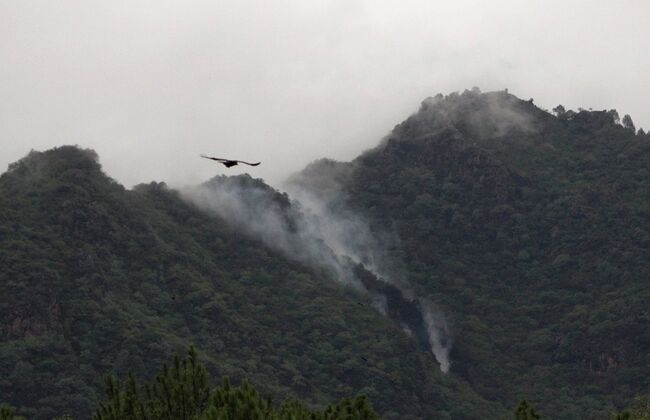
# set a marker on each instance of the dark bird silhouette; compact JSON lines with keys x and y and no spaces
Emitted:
{"x":228,"y":163}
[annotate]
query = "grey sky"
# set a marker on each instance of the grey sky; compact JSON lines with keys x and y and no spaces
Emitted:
{"x":152,"y":84}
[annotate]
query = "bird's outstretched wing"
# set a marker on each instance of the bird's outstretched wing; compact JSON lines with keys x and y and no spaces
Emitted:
{"x":230,"y":162}
{"x":247,"y":163}
{"x":214,"y":158}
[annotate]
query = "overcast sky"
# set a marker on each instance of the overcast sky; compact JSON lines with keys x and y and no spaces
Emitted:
{"x":152,"y":84}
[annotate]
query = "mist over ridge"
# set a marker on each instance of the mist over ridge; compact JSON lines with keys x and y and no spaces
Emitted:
{"x":327,"y":236}
{"x":450,"y":218}
{"x":506,"y":242}
{"x":137,"y":84}
{"x":314,"y":223}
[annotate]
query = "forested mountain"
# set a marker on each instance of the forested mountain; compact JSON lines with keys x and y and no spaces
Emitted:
{"x":531,"y":229}
{"x":97,"y":279}
{"x":509,"y":241}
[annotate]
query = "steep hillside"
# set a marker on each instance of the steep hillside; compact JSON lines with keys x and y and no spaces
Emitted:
{"x":99,"y":279}
{"x":483,"y":236}
{"x":531,"y":230}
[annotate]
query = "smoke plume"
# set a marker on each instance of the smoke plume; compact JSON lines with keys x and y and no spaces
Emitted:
{"x":317,"y":229}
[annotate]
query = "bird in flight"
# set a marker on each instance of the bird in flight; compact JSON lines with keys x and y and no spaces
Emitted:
{"x":228,"y":163}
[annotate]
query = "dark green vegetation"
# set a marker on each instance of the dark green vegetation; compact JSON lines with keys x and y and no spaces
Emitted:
{"x":183,"y":392}
{"x":532,"y":231}
{"x":639,"y":409}
{"x":525,"y":412}
{"x":98,"y":279}
{"x":529,"y":230}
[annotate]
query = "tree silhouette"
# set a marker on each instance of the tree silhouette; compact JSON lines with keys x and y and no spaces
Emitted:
{"x":525,"y":411}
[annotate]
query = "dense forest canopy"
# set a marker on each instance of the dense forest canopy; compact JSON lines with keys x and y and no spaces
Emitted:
{"x":526,"y":230}
{"x":532,"y":229}
{"x":101,"y":279}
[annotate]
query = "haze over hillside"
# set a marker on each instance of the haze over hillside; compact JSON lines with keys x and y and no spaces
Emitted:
{"x":484,"y":251}
{"x":530,"y":225}
{"x":153,"y":85}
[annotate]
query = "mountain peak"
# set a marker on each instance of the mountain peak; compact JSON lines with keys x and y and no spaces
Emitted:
{"x":473,"y":114}
{"x":70,"y":163}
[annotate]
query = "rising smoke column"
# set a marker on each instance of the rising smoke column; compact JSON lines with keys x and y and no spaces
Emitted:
{"x":438,"y":332}
{"x":281,"y":224}
{"x":327,"y":235}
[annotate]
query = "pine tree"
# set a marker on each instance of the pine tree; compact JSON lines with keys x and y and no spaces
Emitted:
{"x":8,"y":413}
{"x":183,"y":392}
{"x":628,"y":123}
{"x":525,"y":411}
{"x":179,"y":393}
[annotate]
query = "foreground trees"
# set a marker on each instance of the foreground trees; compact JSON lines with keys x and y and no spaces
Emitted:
{"x":525,"y":412}
{"x":183,"y":392}
{"x":638,"y":410}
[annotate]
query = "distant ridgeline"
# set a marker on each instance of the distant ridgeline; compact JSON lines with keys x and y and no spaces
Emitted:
{"x":531,"y":229}
{"x":334,"y":242}
{"x":98,"y":279}
{"x":517,"y":234}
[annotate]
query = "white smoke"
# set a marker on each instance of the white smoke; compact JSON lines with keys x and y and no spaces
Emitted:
{"x":407,"y":330}
{"x":269,"y":216}
{"x":438,"y":332}
{"x":343,"y":231}
{"x":319,"y":232}
{"x":380,"y":304}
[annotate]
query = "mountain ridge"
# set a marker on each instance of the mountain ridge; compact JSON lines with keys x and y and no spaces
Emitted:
{"x":546,"y":211}
{"x":526,"y":228}
{"x":135,"y":275}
